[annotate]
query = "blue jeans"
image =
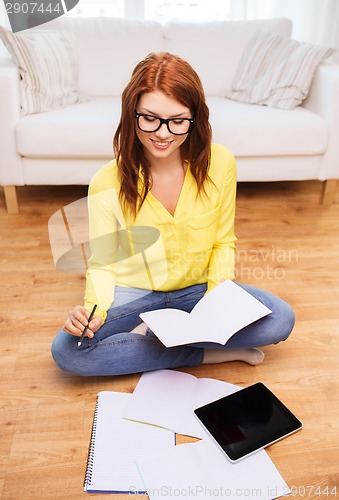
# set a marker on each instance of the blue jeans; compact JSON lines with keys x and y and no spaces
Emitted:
{"x":115,"y":351}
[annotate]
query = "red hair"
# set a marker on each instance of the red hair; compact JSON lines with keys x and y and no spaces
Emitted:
{"x":177,"y":79}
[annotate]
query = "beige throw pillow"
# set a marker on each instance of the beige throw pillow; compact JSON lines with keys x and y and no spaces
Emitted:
{"x":47,"y":68}
{"x":276,"y":71}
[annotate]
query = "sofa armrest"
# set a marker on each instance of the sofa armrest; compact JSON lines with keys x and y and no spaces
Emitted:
{"x":323,"y":99}
{"x":11,"y":172}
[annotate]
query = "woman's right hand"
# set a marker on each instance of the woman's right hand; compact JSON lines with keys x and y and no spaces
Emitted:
{"x":78,"y":319}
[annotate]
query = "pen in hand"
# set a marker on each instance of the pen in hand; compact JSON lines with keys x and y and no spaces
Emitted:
{"x":86,"y":327}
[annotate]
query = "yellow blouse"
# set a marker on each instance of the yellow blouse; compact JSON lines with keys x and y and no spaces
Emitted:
{"x":157,"y":250}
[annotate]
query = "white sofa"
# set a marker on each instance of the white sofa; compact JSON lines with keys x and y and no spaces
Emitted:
{"x":68,"y":145}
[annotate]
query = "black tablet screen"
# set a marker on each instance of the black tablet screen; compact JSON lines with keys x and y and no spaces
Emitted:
{"x":247,"y":420}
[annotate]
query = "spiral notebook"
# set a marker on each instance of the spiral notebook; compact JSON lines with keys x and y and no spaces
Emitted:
{"x":117,"y":444}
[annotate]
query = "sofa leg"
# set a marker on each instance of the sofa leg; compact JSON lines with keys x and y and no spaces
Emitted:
{"x":328,"y":191}
{"x":11,"y":200}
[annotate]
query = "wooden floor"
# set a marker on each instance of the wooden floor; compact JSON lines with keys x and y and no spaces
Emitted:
{"x":287,"y":244}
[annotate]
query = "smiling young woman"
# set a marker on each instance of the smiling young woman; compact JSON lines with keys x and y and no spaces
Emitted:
{"x":161,"y":80}
{"x":161,"y":224}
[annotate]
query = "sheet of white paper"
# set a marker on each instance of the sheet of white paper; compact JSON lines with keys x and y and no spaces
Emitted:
{"x":218,"y":315}
{"x":200,"y":470}
{"x":118,"y":443}
{"x":167,"y":398}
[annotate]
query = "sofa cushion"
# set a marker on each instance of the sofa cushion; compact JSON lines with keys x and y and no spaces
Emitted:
{"x":276,"y":71}
{"x":81,"y":131}
{"x":47,"y":67}
{"x":86,"y":130}
{"x":108,"y":49}
{"x":214,"y":49}
{"x":252,"y":130}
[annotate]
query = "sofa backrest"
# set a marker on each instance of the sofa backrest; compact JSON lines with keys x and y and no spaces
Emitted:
{"x":214,"y":48}
{"x":109,"y":48}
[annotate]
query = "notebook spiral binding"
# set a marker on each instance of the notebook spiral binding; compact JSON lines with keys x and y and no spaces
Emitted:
{"x":90,"y":458}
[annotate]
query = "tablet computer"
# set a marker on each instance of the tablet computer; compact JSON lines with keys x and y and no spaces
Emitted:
{"x":247,"y":421}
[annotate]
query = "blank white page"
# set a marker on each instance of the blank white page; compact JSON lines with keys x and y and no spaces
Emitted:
{"x":201,"y":470}
{"x":167,"y":398}
{"x":117,"y":444}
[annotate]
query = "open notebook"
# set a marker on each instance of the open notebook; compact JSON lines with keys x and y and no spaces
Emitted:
{"x":215,"y":318}
{"x":116,"y":445}
{"x":167,"y":398}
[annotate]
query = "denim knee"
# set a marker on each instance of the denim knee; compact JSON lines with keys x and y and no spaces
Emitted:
{"x":286,"y":320}
{"x":60,"y":349}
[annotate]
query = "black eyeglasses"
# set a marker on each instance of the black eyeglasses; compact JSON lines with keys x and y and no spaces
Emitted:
{"x":176,"y":126}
